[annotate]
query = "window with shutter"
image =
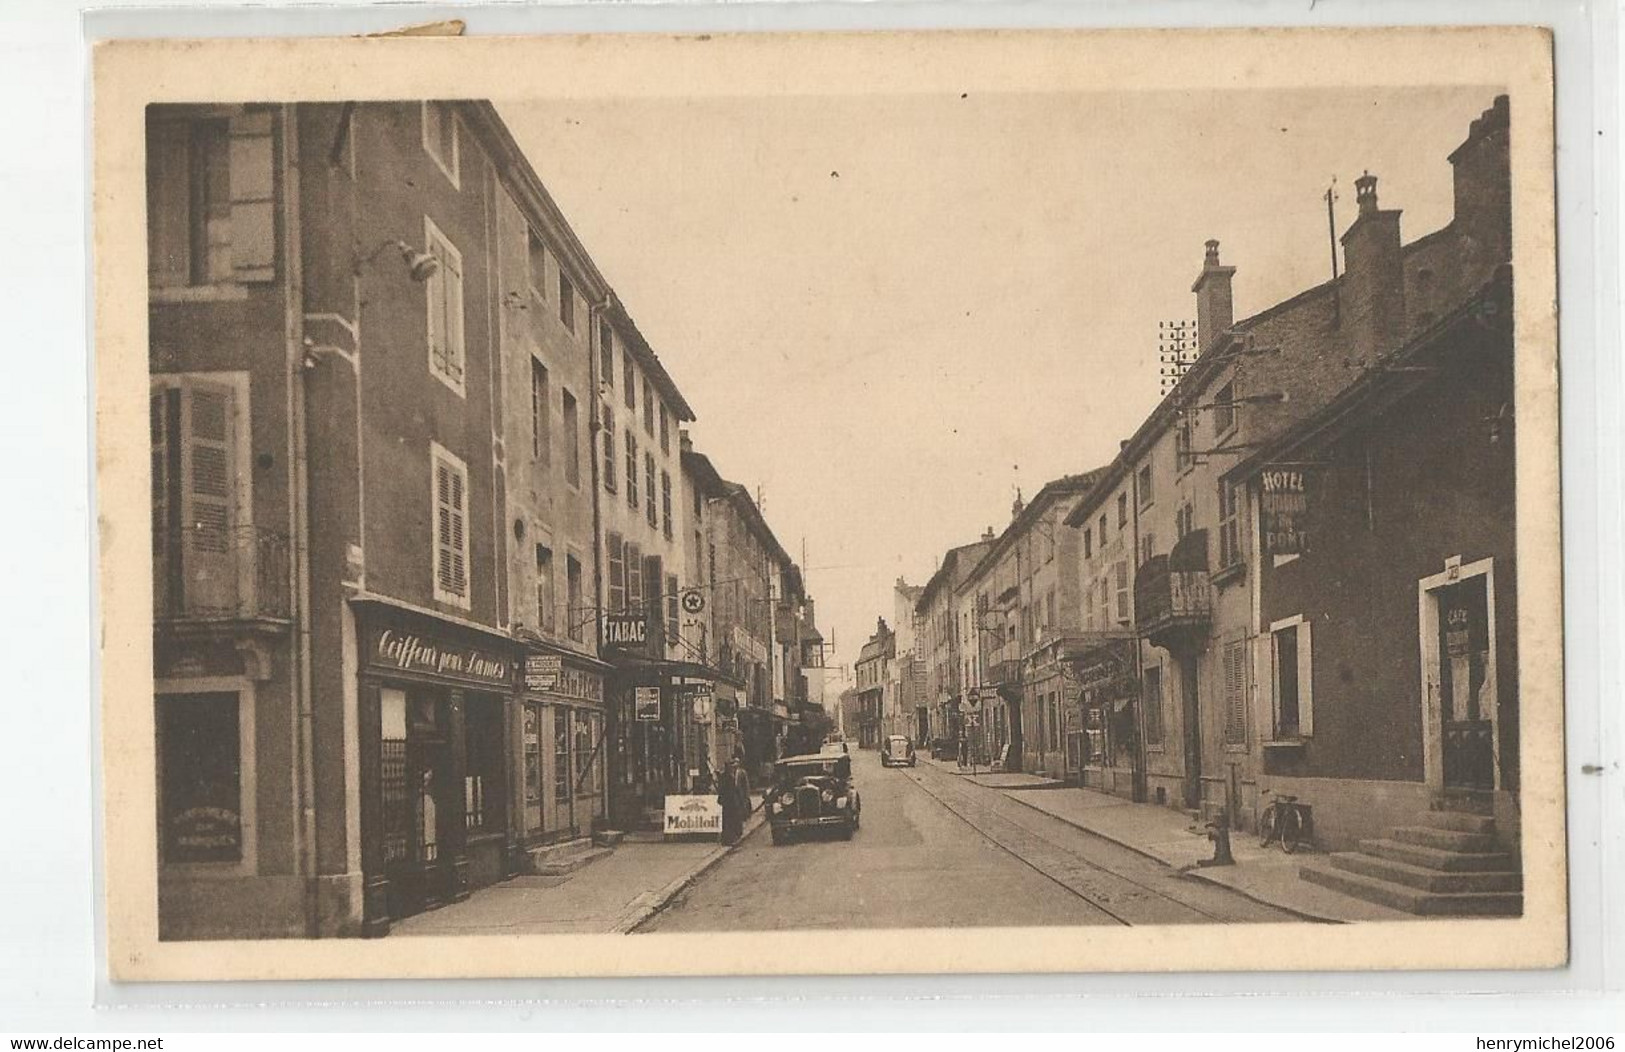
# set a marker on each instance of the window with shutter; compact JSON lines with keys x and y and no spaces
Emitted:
{"x":1235,"y":693}
{"x":572,"y":439}
{"x":671,"y":607}
{"x":1122,"y":591}
{"x":249,"y":241}
{"x":665,"y":501}
{"x":450,"y":529}
{"x":546,"y":619}
{"x":575,"y":610}
{"x":651,"y":509}
{"x":654,"y":597}
{"x":444,"y":295}
{"x":210,"y":573}
{"x":631,"y":469}
{"x":629,"y":386}
{"x":634,"y":578}
{"x":541,"y":420}
{"x":606,"y":355}
{"x":617,"y":572}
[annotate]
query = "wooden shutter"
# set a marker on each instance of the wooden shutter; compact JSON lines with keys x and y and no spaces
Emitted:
{"x":253,"y":198}
{"x":210,"y":575}
{"x":452,"y":267}
{"x":1306,"y":707}
{"x":1235,"y":693}
{"x":634,"y":578}
{"x":451,"y":537}
{"x":169,"y":203}
{"x":617,"y":573}
{"x":164,"y":409}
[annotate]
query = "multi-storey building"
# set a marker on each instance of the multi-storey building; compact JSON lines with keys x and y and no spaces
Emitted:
{"x":904,"y":711}
{"x":940,"y":641}
{"x":1172,"y":564}
{"x":1027,"y":605}
{"x":874,"y":672}
{"x":368,"y":435}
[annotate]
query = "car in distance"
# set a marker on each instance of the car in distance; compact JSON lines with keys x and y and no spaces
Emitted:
{"x":897,"y":752}
{"x":812,"y":793}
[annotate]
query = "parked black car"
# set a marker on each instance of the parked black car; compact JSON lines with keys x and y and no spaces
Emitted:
{"x":813,"y":792}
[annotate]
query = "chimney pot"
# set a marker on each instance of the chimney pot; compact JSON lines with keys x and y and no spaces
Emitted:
{"x":1365,"y":193}
{"x":1212,"y":257}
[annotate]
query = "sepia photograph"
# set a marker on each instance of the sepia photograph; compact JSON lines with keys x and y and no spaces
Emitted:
{"x":648,"y":505}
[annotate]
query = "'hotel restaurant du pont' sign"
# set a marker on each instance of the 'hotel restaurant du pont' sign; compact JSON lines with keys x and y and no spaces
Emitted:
{"x":1284,"y":503}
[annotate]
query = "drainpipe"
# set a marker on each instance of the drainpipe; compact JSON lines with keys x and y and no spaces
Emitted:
{"x":299,"y":511}
{"x":1138,"y":776}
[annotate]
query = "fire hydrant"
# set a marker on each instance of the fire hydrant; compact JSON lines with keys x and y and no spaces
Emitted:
{"x":1218,"y":831}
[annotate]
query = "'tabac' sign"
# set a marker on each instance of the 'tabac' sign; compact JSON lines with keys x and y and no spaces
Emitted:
{"x":625,"y":630}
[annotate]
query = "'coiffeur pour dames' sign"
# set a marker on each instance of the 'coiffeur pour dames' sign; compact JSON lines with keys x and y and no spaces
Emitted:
{"x":1284,"y":508}
{"x":417,"y":652}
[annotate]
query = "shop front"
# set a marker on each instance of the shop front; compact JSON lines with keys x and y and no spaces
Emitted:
{"x":661,"y":714}
{"x":435,"y":702}
{"x":562,"y":741}
{"x":1103,"y":745}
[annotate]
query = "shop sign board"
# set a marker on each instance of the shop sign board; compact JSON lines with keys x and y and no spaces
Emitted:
{"x":625,"y":631}
{"x":1284,"y":508}
{"x":419,"y":652}
{"x":693,"y":816}
{"x":646,"y":702}
{"x":703,"y":704}
{"x":542,"y":671}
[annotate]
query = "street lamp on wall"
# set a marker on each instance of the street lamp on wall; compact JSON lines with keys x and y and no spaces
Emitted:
{"x":420,"y":266}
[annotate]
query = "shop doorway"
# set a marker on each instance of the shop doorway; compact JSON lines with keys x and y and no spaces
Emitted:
{"x":414,"y":790}
{"x":1457,"y":625}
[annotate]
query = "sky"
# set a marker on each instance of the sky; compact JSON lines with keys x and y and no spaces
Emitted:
{"x":890,"y":311}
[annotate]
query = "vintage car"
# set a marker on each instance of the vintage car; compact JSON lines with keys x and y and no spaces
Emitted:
{"x":897,"y":752}
{"x":812,"y":792}
{"x":833,"y":748}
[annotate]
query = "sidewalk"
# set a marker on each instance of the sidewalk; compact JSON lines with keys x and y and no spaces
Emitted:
{"x":995,"y":779}
{"x":613,"y":895}
{"x":1265,"y":875}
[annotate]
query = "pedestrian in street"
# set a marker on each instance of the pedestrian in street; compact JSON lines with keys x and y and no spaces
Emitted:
{"x":733,"y":793}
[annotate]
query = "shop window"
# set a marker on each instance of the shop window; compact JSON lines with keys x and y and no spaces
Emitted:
{"x":440,"y":138}
{"x":537,"y":260}
{"x":629,"y":387}
{"x":1151,"y":698}
{"x":394,"y":793}
{"x":540,"y":417}
{"x":210,"y":201}
{"x":483,"y":772}
{"x":561,"y":755}
{"x":671,"y":608}
{"x":665,"y":502}
{"x":631,"y":469}
{"x":617,"y":572}
{"x":444,"y":295}
{"x":650,"y":492}
{"x":572,"y":438}
{"x":200,"y":776}
{"x":533,"y":765}
{"x":1292,"y":678}
{"x":1229,"y":524}
{"x":546,"y":609}
{"x":575,"y":610}
{"x":1235,"y":693}
{"x":609,"y":448}
{"x":450,"y":528}
{"x":567,"y":302}
{"x":586,"y":752}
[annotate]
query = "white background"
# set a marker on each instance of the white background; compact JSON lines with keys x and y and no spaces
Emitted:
{"x":51,"y":979}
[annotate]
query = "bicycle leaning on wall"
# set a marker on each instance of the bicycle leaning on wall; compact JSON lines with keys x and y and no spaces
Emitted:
{"x":1287,"y":822}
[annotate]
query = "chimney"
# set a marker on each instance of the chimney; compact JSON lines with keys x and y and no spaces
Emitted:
{"x":685,"y":444}
{"x":1016,"y":506}
{"x":987,"y":534}
{"x":1483,"y":188}
{"x":1214,"y":310}
{"x":1373,"y":298}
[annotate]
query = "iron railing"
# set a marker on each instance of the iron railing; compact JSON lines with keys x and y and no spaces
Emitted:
{"x":213,"y":573}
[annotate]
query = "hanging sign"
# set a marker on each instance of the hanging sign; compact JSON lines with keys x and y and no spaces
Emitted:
{"x":702,"y":702}
{"x":646,"y":702}
{"x":693,"y":601}
{"x":625,"y":630}
{"x":1284,"y":508}
{"x":542,"y":671}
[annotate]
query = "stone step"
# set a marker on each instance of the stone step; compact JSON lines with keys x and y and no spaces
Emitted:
{"x":1445,"y":839}
{"x":1438,"y":858}
{"x":1461,"y":821}
{"x":1422,"y":878}
{"x":570,"y":863}
{"x":1414,"y":900}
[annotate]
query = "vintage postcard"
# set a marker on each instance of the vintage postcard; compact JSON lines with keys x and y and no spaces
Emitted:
{"x":1006,"y":501}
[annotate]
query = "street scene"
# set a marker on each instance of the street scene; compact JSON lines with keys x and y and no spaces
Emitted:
{"x":545,"y":544}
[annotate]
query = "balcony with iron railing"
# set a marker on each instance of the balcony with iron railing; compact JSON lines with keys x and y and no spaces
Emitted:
{"x":1173,"y":603}
{"x":208,"y":575}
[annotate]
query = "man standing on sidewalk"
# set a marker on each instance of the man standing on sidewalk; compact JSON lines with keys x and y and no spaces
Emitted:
{"x":733,"y":793}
